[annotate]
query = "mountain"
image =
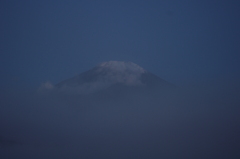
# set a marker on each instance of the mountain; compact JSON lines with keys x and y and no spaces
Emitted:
{"x":130,"y":113}
{"x":113,"y":75}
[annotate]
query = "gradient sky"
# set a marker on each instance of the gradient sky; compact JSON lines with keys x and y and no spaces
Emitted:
{"x":180,"y":41}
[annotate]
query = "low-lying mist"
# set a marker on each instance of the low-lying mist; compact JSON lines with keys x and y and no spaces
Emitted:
{"x":194,"y":122}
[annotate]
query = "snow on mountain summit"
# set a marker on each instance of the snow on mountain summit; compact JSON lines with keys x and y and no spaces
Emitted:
{"x":122,"y":66}
{"x":127,"y":73}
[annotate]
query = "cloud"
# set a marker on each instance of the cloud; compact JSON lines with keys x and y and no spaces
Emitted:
{"x":46,"y":86}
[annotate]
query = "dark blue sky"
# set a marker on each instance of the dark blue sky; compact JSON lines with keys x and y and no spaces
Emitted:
{"x":180,"y":41}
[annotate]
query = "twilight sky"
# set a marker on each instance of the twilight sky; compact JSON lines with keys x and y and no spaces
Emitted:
{"x":180,"y":41}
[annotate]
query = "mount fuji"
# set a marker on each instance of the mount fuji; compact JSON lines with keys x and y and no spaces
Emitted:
{"x":113,"y":75}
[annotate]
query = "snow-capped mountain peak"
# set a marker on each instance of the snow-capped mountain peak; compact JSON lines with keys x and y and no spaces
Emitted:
{"x":121,"y":66}
{"x":108,"y":74}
